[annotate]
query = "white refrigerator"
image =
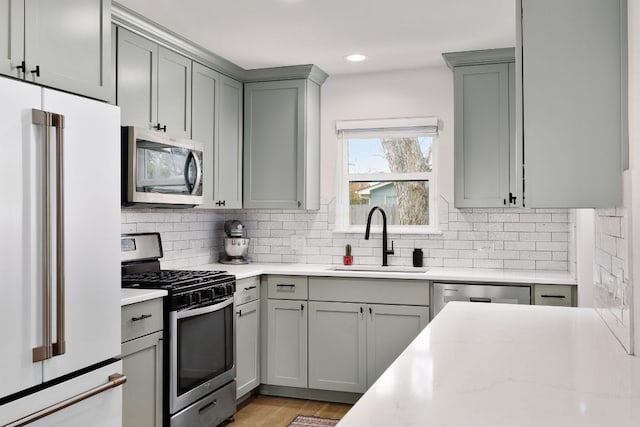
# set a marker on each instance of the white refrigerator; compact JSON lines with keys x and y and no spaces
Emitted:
{"x":59,"y":259}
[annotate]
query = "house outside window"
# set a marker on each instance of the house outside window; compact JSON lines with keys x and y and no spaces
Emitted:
{"x":389,"y":163}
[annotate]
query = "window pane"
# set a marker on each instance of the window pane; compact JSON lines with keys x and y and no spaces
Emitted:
{"x":404,"y":202}
{"x":384,"y":155}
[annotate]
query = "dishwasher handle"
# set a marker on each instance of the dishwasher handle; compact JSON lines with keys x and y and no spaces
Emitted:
{"x":479,"y":299}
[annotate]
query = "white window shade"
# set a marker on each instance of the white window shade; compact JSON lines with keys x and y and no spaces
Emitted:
{"x":401,"y":127}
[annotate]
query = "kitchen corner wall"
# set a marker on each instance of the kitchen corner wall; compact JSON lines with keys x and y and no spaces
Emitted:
{"x":480,"y":238}
{"x":190,"y":237}
{"x":611,"y":273}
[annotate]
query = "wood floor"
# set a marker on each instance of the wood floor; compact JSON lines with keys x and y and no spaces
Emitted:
{"x":267,"y":411}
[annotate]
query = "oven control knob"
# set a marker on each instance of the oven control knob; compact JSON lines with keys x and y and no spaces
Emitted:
{"x":196,"y":297}
{"x":219,"y":290}
{"x":206,"y":294}
{"x":186,"y":299}
{"x":229,"y":289}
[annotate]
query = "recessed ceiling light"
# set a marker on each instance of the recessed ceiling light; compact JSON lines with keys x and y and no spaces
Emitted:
{"x":356,"y":57}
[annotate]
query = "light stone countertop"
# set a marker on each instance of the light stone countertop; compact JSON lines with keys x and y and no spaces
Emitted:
{"x":432,"y":273}
{"x":504,"y":365}
{"x":132,"y":296}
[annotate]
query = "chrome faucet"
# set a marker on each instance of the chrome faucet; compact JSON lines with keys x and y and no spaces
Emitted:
{"x":385,"y":251}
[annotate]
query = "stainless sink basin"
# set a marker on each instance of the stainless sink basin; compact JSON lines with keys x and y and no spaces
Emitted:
{"x":373,"y":268}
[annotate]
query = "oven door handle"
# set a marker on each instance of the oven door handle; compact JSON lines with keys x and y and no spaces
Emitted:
{"x":204,"y":310}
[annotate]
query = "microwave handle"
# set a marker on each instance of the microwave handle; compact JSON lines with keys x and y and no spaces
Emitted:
{"x":196,"y":184}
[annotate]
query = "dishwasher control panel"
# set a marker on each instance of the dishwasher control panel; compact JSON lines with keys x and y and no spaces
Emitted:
{"x":482,"y":293}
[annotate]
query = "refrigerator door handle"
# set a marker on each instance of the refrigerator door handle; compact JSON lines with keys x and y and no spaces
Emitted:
{"x":115,"y":380}
{"x":43,"y":118}
{"x":59,"y":347}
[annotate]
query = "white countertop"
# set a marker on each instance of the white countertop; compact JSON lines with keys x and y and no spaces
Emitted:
{"x":506,"y":365}
{"x":132,"y":296}
{"x":435,"y":273}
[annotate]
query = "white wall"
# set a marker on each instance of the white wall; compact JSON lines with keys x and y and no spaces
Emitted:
{"x":407,"y":93}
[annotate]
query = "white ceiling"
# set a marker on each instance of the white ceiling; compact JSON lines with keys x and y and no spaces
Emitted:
{"x":394,"y":34}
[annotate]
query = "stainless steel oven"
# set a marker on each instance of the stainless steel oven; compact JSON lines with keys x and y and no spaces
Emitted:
{"x":201,"y":351}
{"x":160,"y":170}
{"x":199,"y":348}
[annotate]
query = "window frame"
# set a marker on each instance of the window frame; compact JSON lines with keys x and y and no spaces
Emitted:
{"x":344,"y":129}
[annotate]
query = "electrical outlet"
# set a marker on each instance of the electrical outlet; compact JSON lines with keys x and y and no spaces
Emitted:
{"x":298,"y":243}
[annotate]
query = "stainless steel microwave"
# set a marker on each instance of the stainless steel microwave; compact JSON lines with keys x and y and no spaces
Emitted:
{"x":159,"y":170}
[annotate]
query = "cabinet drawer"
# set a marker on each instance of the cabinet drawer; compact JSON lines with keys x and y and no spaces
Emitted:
{"x":247,"y":290}
{"x":558,"y":295}
{"x":287,"y":287}
{"x":376,"y":291}
{"x":141,"y":319}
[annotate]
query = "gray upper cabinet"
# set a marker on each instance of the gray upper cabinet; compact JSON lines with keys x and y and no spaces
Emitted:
{"x":282,"y":144}
{"x":63,"y":45}
{"x":174,"y":93}
{"x":137,"y":76}
{"x":488,"y":163}
{"x":217,"y":123}
{"x":11,"y":37}
{"x":154,"y":86}
{"x":573,"y":86}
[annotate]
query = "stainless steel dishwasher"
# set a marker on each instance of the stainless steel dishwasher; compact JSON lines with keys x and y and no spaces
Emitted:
{"x":487,"y":293}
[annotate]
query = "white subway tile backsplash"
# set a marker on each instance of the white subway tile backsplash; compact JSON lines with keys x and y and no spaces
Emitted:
{"x":480,"y":238}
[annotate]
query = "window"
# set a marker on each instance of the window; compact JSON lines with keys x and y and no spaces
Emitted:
{"x":391,"y":164}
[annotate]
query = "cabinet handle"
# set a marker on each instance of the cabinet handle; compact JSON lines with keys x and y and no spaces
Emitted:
{"x":504,"y":201}
{"x":370,"y":312}
{"x":553,"y":296}
{"x":299,"y":203}
{"x":239,"y":313}
{"x":142,"y":317}
{"x":286,"y":285}
{"x":36,"y":71}
{"x":250,"y":287}
{"x":301,"y":308}
{"x":221,"y":203}
{"x":22,"y":67}
{"x":162,"y":128}
{"x":512,"y":198}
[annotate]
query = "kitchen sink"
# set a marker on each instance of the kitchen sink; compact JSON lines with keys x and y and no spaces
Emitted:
{"x":374,"y":268}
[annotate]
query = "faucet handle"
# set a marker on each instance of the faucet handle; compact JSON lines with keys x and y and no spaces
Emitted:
{"x":390,"y":251}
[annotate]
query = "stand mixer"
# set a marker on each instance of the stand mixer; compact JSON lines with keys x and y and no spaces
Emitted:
{"x":236,"y":244}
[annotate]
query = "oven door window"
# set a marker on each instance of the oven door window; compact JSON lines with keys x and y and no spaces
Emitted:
{"x":205,"y":347}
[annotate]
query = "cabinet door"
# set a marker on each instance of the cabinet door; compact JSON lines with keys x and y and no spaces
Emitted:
{"x":274,"y":144}
{"x":287,"y":343}
{"x":228,"y":172}
{"x":337,"y":347}
{"x":204,"y":124}
{"x":482,"y":135}
{"x":174,"y":93}
{"x":137,"y":80}
{"x":574,"y":75}
{"x":247,"y":347}
{"x":70,"y":42}
{"x":390,"y":329}
{"x":11,"y":36}
{"x":142,"y":393}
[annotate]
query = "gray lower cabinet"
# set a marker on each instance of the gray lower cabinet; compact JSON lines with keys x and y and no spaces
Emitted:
{"x":358,"y":327}
{"x":247,"y":299}
{"x":216,"y":121}
{"x":555,"y":295}
{"x":573,"y":87}
{"x":142,"y":348}
{"x":287,"y":342}
{"x":351,"y":345}
{"x":487,"y":155}
{"x":64,"y":45}
{"x":153,"y":86}
{"x":282,"y":144}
